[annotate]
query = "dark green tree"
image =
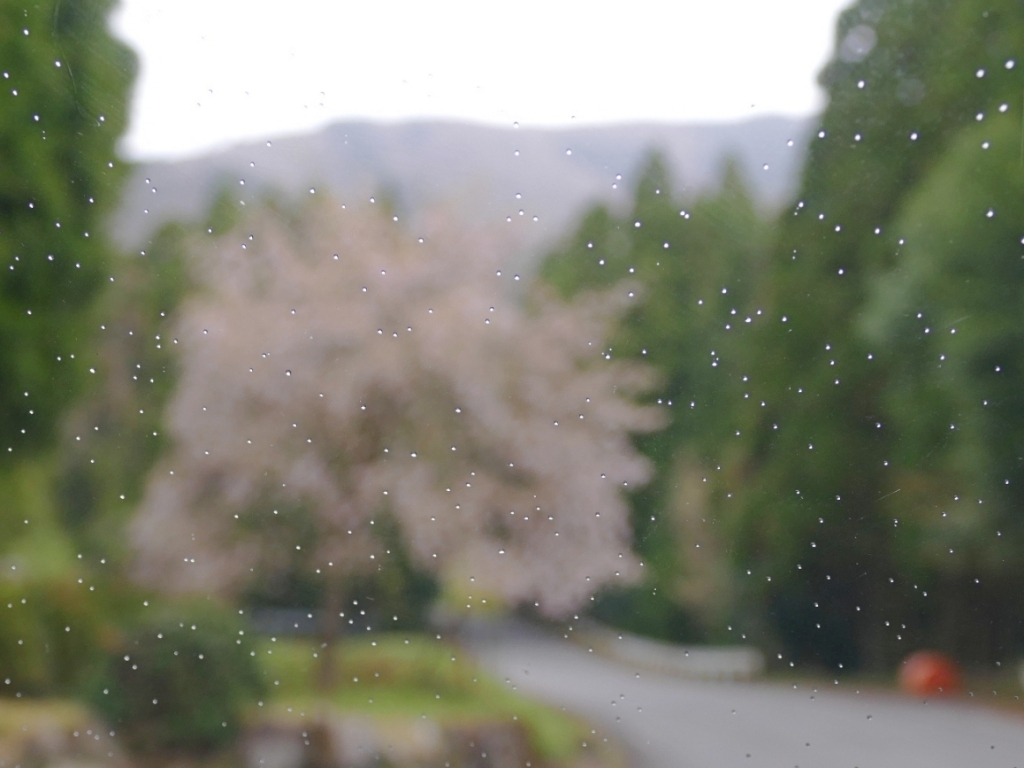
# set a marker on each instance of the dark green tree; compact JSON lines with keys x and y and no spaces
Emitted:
{"x":861,"y":444}
{"x":114,"y":432}
{"x":694,"y":269}
{"x":63,"y":105}
{"x":884,"y":252}
{"x":178,"y":680}
{"x":948,"y":313}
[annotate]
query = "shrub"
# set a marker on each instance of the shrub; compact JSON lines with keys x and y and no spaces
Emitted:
{"x":49,"y":636}
{"x":179,"y":680}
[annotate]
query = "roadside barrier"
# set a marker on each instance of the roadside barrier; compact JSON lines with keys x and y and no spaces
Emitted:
{"x":701,"y":662}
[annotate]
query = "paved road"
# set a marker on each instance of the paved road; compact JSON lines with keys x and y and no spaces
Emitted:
{"x":675,"y":723}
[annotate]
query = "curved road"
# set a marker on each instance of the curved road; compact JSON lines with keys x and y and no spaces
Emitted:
{"x":671,"y":722}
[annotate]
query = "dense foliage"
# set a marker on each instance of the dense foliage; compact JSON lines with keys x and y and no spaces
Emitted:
{"x":114,"y":433}
{"x":900,"y":270}
{"x":696,"y":264}
{"x":50,"y":632}
{"x":861,"y":461}
{"x":62,"y":108}
{"x":178,"y":680}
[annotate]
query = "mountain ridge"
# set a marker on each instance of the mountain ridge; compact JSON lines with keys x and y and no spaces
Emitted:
{"x":475,"y":171}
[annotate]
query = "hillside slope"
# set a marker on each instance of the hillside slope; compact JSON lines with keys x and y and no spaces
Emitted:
{"x":481,"y":174}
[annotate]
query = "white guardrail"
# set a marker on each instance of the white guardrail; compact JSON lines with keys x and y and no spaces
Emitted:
{"x":702,"y":662}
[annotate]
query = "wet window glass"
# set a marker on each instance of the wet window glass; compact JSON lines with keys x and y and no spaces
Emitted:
{"x":555,"y":385}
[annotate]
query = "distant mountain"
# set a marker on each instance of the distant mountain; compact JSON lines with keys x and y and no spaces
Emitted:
{"x":481,"y":174}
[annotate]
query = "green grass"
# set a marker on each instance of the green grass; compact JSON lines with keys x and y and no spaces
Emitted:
{"x":395,"y":676}
{"x":20,"y":716}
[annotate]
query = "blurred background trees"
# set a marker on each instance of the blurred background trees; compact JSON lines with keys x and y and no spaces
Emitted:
{"x":697,"y":264}
{"x":826,"y":401}
{"x":899,"y":269}
{"x":66,"y":84}
{"x":83,"y":372}
{"x":862,"y":455}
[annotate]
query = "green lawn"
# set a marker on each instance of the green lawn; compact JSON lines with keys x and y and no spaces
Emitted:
{"x":20,"y":716}
{"x":394,"y":676}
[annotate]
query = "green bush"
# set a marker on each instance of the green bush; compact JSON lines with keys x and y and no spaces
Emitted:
{"x":178,"y":680}
{"x":49,"y":636}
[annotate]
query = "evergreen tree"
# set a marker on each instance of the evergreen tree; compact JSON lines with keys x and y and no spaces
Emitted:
{"x":859,"y":455}
{"x":855,"y":443}
{"x":63,"y":106}
{"x":691,"y":269}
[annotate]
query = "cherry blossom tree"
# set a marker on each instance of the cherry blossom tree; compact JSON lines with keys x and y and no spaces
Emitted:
{"x":335,"y":368}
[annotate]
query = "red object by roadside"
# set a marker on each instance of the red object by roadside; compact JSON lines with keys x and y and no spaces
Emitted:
{"x":929,"y":673}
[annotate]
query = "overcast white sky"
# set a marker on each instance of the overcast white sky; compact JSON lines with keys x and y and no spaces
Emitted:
{"x":216,"y":72}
